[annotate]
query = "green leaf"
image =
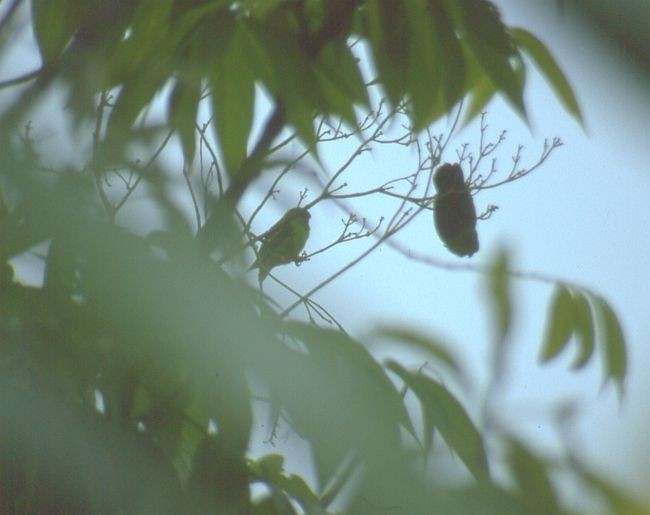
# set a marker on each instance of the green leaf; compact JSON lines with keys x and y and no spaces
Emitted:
{"x":619,"y":500}
{"x":133,"y":98}
{"x":425,"y":342}
{"x":443,"y":411}
{"x":183,"y":107}
{"x":532,"y":478}
{"x":499,"y":291}
{"x":424,"y":66}
{"x":584,"y":328}
{"x":488,"y":40}
{"x":233,"y":97}
{"x":536,"y":50}
{"x":297,"y":85}
{"x":614,"y":343}
{"x":388,"y":34}
{"x":150,"y":27}
{"x":452,"y":60}
{"x":339,"y":63}
{"x":54,"y":26}
{"x":480,"y":96}
{"x":560,"y":326}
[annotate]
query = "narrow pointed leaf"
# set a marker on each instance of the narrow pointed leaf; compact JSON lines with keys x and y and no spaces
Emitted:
{"x":233,"y":96}
{"x":499,"y":291}
{"x":560,"y":325}
{"x":443,"y":411}
{"x":584,"y":328}
{"x":614,"y":344}
{"x":532,"y":477}
{"x":538,"y":52}
{"x":424,"y":342}
{"x":54,"y":26}
{"x":489,"y":41}
{"x":183,"y":107}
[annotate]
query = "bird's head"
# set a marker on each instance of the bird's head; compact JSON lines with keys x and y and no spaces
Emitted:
{"x":299,"y":213}
{"x":449,"y":177}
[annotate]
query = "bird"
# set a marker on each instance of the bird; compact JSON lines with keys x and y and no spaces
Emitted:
{"x":454,"y":214}
{"x":283,"y":242}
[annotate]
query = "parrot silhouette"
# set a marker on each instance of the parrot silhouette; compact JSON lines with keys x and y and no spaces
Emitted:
{"x":283,"y":242}
{"x":454,"y":214}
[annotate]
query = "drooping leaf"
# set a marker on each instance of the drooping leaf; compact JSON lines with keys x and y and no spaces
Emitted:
{"x":387,"y":30}
{"x":54,"y":26}
{"x":424,"y":66}
{"x":183,"y":107}
{"x":584,"y":329}
{"x":560,"y":325}
{"x":547,"y":65}
{"x":453,"y":62}
{"x":613,"y":342}
{"x":442,"y":411}
{"x":487,"y":38}
{"x":532,"y":478}
{"x":499,"y":292}
{"x":233,"y":98}
{"x":424,"y":342}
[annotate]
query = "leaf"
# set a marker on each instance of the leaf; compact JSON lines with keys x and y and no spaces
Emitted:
{"x":233,"y":99}
{"x":488,"y":40}
{"x":499,"y":291}
{"x":560,"y":326}
{"x":614,"y":343}
{"x":342,"y":67}
{"x":584,"y":328}
{"x":183,"y":107}
{"x":443,"y":411}
{"x":536,"y":50}
{"x":425,"y":342}
{"x":133,"y":98}
{"x":424,"y":66}
{"x":452,"y":60}
{"x":533,"y":480}
{"x":619,"y":501}
{"x":387,"y":32}
{"x":297,"y":85}
{"x":54,"y":26}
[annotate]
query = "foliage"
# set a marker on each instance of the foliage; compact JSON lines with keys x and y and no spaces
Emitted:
{"x":133,"y":376}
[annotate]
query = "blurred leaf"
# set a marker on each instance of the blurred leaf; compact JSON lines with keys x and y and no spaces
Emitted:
{"x":489,"y":41}
{"x":547,"y":65}
{"x":499,"y":291}
{"x":619,"y":501}
{"x":424,"y":342}
{"x":480,"y":96}
{"x":443,"y":412}
{"x":584,"y":328}
{"x":341,"y":65}
{"x":386,"y":25}
{"x":452,"y":60}
{"x":183,"y":107}
{"x":560,"y":325}
{"x":54,"y":25}
{"x":233,"y":96}
{"x":269,"y":468}
{"x":424,"y":66}
{"x":613,"y":342}
{"x":134,"y":97}
{"x":531,"y":476}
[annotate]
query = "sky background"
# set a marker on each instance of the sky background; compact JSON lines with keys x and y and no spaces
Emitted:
{"x":583,"y":216}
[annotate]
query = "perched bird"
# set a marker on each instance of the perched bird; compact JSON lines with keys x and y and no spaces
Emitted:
{"x":283,"y":242}
{"x":454,"y":214}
